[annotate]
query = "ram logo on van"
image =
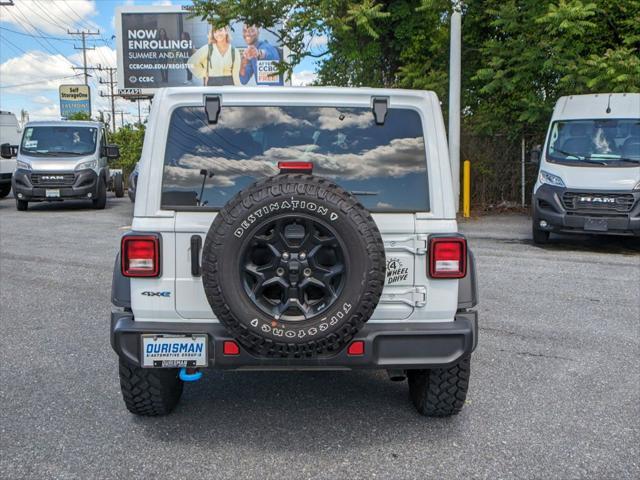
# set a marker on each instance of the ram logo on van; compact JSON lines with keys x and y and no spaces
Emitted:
{"x":598,"y":199}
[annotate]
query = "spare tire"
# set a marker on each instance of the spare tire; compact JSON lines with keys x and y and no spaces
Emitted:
{"x":293,"y":266}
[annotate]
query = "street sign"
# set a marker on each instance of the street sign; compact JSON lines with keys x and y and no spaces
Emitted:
{"x":74,"y":99}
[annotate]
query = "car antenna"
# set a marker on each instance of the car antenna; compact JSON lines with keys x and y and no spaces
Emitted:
{"x":609,"y":104}
{"x":205,"y":174}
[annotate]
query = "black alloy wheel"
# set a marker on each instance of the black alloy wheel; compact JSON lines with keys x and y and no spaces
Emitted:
{"x":293,"y":268}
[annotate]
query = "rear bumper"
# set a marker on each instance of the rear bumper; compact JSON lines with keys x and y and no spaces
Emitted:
{"x":387,"y":346}
{"x":548,"y":205}
{"x":85,"y":183}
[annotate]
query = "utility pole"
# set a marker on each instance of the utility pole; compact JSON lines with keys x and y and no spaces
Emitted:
{"x":111,"y":94}
{"x":84,"y":49}
{"x":121,"y":112}
{"x":455,"y":73}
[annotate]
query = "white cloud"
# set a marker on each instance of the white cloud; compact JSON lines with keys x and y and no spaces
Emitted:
{"x":104,"y":56}
{"x":302,"y":78}
{"x":397,"y":159}
{"x":42,"y":100}
{"x":36,"y":71}
{"x":50,"y":16}
{"x":163,"y":3}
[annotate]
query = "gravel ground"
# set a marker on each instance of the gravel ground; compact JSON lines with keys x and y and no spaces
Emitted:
{"x":555,"y":389}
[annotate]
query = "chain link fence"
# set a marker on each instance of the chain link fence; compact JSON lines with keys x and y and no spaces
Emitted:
{"x":496,"y":170}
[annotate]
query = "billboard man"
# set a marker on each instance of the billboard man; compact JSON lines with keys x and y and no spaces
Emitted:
{"x":256,"y":50}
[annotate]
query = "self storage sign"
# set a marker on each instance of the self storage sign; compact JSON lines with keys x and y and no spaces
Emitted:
{"x":74,"y":99}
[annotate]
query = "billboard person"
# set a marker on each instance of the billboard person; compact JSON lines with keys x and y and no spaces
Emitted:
{"x":220,"y":58}
{"x":214,"y":62}
{"x":256,"y":50}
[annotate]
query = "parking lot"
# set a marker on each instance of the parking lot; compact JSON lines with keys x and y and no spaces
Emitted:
{"x":555,"y":385}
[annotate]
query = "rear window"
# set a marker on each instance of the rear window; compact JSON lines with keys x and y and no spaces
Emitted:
{"x":383,"y":165}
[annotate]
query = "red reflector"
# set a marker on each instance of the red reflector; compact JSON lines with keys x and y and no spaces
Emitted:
{"x":295,"y":167}
{"x":447,"y":257}
{"x":356,"y":348}
{"x":140,"y":256}
{"x":229,"y":347}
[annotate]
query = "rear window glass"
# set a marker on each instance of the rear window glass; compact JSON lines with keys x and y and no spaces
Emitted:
{"x":383,"y":165}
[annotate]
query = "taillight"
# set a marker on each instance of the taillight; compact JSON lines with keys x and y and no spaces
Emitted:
{"x":295,"y":167}
{"x":140,"y":255}
{"x":447,"y":257}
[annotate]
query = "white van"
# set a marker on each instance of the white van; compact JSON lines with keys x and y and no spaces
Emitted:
{"x":9,"y":134}
{"x":589,"y":176}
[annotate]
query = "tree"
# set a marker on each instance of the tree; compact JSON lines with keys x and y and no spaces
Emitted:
{"x":79,"y":116}
{"x":130,"y":142}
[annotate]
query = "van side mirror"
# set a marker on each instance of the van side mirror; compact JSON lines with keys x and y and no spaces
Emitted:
{"x":8,"y":151}
{"x":535,"y":154}
{"x":112,"y":152}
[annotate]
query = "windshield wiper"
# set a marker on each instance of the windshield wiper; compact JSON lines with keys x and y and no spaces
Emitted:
{"x":581,"y":158}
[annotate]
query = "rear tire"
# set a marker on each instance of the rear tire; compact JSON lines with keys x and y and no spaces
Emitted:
{"x":540,"y":237}
{"x":118,"y":185}
{"x":440,"y":392}
{"x":22,"y":205}
{"x":149,"y":392}
{"x":101,"y":199}
{"x":4,"y":190}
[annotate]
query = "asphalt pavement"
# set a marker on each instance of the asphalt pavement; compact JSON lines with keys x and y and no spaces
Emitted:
{"x":555,"y":383}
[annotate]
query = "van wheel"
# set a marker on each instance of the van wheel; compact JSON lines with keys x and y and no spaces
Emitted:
{"x":440,"y":392}
{"x":118,"y":185}
{"x":4,"y":190}
{"x":540,"y":237}
{"x":101,"y":199}
{"x":150,"y":392}
{"x":22,"y":205}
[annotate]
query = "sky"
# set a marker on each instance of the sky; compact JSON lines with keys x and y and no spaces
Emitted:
{"x":37,"y":54}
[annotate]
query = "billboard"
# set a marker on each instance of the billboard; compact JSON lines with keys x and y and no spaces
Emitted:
{"x":165,"y":46}
{"x":74,"y":99}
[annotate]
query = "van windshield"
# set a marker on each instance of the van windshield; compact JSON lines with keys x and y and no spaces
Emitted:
{"x":610,"y":142}
{"x":59,"y":141}
{"x":385,"y":166}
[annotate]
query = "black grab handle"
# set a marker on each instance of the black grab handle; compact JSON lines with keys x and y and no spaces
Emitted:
{"x":196,"y":245}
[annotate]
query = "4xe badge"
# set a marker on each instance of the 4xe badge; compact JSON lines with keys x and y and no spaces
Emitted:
{"x":156,"y":294}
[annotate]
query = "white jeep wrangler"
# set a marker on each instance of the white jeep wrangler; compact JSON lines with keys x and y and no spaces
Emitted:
{"x":294,"y":229}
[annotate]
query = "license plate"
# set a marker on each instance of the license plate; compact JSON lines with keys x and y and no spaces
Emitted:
{"x":52,"y":193}
{"x":596,"y":224}
{"x":173,"y":351}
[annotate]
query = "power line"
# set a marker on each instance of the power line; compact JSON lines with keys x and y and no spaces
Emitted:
{"x":83,"y":23}
{"x":48,"y":37}
{"x":40,"y":82}
{"x":36,"y":29}
{"x":13,"y":44}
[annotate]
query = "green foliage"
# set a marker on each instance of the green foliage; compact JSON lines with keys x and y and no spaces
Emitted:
{"x":79,"y":116}
{"x":129,"y":140}
{"x":518,"y":56}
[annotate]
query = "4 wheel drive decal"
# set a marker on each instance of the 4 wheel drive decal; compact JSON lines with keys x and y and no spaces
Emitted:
{"x":290,"y":204}
{"x":290,"y":331}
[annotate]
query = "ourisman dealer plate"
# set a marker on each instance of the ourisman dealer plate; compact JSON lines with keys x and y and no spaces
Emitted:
{"x":173,"y":351}
{"x":52,"y":193}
